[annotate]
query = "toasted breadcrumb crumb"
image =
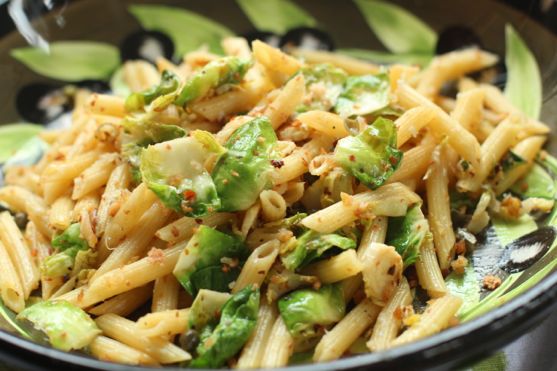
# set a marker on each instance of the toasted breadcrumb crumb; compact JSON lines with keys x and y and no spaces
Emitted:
{"x":491,"y":282}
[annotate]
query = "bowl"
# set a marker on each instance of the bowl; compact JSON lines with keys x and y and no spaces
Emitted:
{"x":330,"y":24}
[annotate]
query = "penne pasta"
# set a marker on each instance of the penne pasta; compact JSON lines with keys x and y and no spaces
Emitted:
{"x":435,"y":318}
{"x":337,"y":341}
{"x":389,"y":320}
{"x":336,"y":268}
{"x":257,"y":266}
{"x":19,"y":253}
{"x":126,"y":332}
{"x":389,"y":200}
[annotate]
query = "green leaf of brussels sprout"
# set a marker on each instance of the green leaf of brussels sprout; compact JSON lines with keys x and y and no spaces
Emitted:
{"x":371,"y":156}
{"x":174,"y":170}
{"x":311,"y":246}
{"x":244,"y":171}
{"x":66,"y":325}
{"x":363,"y":95}
{"x":198,"y":267}
{"x":227,"y":70}
{"x":304,"y":311}
{"x":237,"y":322}
{"x":407,"y":233}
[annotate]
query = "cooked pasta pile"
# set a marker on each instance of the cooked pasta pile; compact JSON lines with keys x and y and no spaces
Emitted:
{"x":238,"y":210}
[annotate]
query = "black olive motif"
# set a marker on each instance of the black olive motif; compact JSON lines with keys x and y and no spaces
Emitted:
{"x":267,"y":37}
{"x":43,"y":103}
{"x":146,"y":45}
{"x":526,"y":250}
{"x":307,"y":38}
{"x":456,"y":37}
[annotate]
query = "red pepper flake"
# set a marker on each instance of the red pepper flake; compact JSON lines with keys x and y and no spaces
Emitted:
{"x":277,"y":163}
{"x":352,"y":158}
{"x":393,"y":160}
{"x":189,"y":195}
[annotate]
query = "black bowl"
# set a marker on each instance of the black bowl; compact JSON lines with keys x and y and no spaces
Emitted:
{"x":347,"y":29}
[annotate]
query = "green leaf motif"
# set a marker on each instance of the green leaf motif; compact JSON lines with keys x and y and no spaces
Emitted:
{"x":188,"y":30}
{"x":524,"y":86}
{"x":14,"y":136}
{"x":400,"y":31}
{"x":509,"y":230}
{"x":464,"y":286}
{"x":386,"y":57}
{"x":71,"y":60}
{"x":537,"y":183}
{"x":277,"y":16}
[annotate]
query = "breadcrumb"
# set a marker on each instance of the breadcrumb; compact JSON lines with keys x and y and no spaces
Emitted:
{"x":459,"y":264}
{"x":491,"y":282}
{"x":156,"y":255}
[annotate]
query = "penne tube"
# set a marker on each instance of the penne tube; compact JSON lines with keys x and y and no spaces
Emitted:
{"x":124,"y":304}
{"x":273,"y":206}
{"x":129,"y":214}
{"x":279,"y":65}
{"x":280,"y":346}
{"x":374,"y":232}
{"x":165,"y":294}
{"x":183,"y":228}
{"x":104,"y":104}
{"x":236,"y":46}
{"x":527,"y":149}
{"x":439,"y":211}
{"x":11,"y":289}
{"x":429,"y":272}
{"x":58,"y":177}
{"x":38,"y":243}
{"x":164,"y":323}
{"x":60,"y":214}
{"x":451,"y":66}
{"x":296,"y":164}
{"x":351,"y":65}
{"x":462,"y":141}
{"x":468,"y":111}
{"x":110,"y":350}
{"x":118,"y":181}
{"x":325,"y":122}
{"x":336,"y":268}
{"x":257,"y":266}
{"x":284,"y":105}
{"x":124,"y":279}
{"x":137,"y":243}
{"x":436,"y":317}
{"x":19,"y":253}
{"x":126,"y":331}
{"x":492,"y":150}
{"x":255,"y":348}
{"x":411,"y":122}
{"x":389,"y":320}
{"x":337,"y":341}
{"x":95,"y":176}
{"x":389,"y":200}
{"x":139,"y":75}
{"x":414,"y":162}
